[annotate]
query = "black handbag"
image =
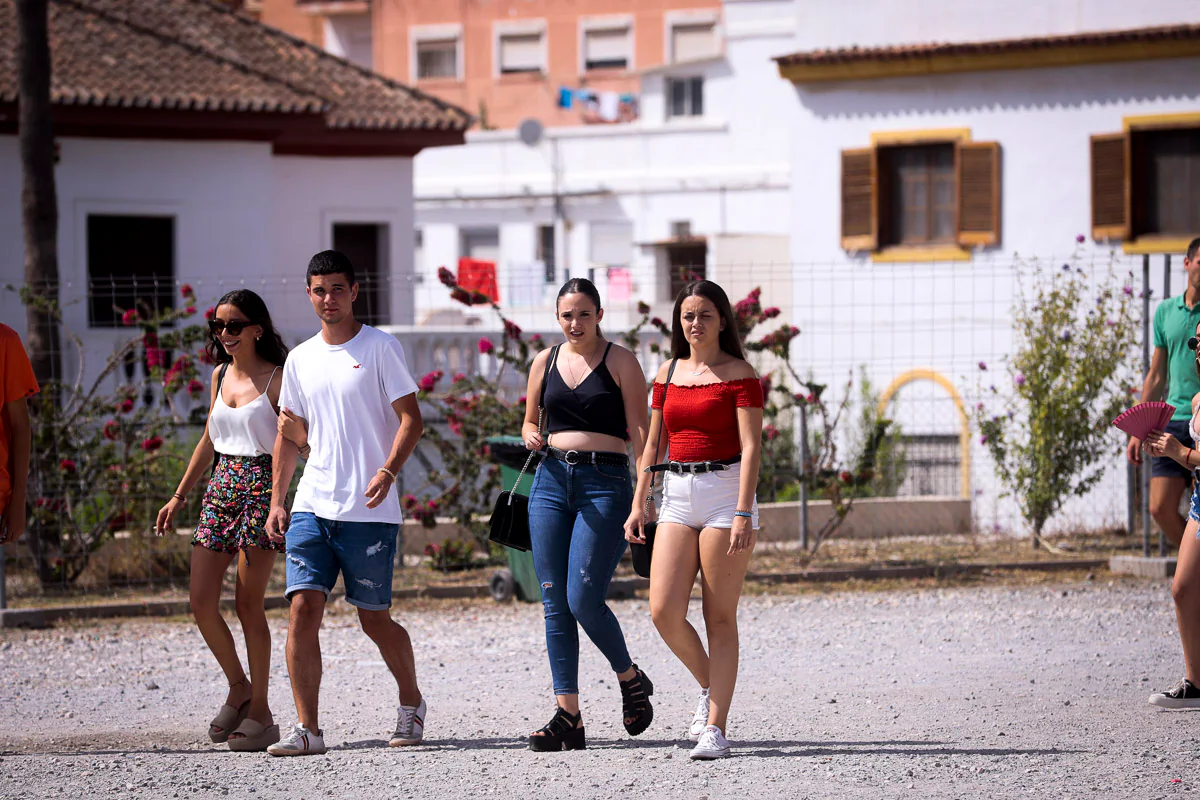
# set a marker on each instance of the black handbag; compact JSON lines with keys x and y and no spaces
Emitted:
{"x":510,"y":515}
{"x":642,"y":553}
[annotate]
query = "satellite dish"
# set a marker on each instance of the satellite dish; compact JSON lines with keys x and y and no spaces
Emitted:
{"x":530,"y":132}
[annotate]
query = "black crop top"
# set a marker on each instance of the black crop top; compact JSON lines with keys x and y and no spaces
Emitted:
{"x":594,"y":406}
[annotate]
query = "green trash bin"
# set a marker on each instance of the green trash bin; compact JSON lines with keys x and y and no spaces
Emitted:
{"x":520,"y":579}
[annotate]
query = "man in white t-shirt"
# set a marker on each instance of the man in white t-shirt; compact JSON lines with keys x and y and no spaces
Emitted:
{"x":350,"y":386}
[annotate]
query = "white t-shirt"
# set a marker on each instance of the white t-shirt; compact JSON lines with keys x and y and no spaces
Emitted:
{"x":345,"y":392}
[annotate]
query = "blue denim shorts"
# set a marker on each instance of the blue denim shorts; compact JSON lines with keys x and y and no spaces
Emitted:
{"x":1194,"y":512}
{"x":363,"y":552}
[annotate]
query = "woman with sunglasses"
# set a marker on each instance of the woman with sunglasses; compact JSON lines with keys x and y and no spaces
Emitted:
{"x":1185,"y":586}
{"x":240,"y":434}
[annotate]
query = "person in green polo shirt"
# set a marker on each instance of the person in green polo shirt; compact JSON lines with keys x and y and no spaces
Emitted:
{"x":1173,"y":367}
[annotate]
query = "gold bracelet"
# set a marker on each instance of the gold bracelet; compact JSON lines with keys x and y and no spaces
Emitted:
{"x":387,"y":472}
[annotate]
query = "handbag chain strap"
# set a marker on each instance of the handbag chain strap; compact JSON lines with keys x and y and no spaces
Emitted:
{"x":663,"y":421}
{"x":541,"y":413}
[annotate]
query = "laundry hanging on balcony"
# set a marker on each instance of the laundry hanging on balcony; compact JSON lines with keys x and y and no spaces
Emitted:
{"x":475,"y":275}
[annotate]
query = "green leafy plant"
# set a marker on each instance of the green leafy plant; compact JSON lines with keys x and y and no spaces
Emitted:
{"x":99,"y":461}
{"x":1048,"y":425}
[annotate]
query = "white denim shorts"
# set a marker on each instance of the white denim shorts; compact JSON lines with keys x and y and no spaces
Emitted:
{"x":701,"y":501}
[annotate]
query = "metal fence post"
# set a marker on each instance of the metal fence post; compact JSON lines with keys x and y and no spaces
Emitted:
{"x":1162,"y":539}
{"x":804,"y":476}
{"x":1145,"y":371}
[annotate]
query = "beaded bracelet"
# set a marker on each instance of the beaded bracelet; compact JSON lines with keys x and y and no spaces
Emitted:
{"x":387,"y":472}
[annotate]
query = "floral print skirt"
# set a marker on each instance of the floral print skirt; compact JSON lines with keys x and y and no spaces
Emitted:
{"x":233,"y":514}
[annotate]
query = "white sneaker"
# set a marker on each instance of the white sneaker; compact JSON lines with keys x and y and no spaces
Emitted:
{"x":300,"y":741}
{"x":700,"y":718}
{"x":712,"y":744}
{"x":410,"y":725}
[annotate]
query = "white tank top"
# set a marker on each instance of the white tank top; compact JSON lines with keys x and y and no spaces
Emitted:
{"x":247,"y":430}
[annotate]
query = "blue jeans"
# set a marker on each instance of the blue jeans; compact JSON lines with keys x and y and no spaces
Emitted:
{"x":363,"y":552}
{"x":576,"y":519}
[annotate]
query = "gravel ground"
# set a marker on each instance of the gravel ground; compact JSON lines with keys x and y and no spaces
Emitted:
{"x":970,"y":692}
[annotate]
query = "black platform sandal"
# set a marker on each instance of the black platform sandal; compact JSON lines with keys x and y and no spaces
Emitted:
{"x":560,"y":733}
{"x":635,"y":705}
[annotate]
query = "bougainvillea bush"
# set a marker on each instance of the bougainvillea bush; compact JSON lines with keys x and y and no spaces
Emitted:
{"x":476,"y":409}
{"x":105,"y":459}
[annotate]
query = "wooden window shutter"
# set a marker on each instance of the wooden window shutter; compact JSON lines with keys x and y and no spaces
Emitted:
{"x":978,"y":167}
{"x":860,"y":217}
{"x":1110,"y":186}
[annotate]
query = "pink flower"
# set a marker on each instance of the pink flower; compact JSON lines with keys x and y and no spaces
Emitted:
{"x":1128,"y":290}
{"x":126,"y":405}
{"x":512,"y":330}
{"x":155,"y":357}
{"x":459,"y":377}
{"x":522,"y":400}
{"x":983,"y":365}
{"x":1020,"y":379}
{"x":186,"y":291}
{"x":112,"y":429}
{"x":67,"y":466}
{"x":846,"y":477}
{"x":130,"y":317}
{"x":429,"y":380}
{"x":195,"y":387}
{"x":486,"y":346}
{"x":771,"y":432}
{"x":771,"y":313}
{"x":189,"y":311}
{"x":210,"y":313}
{"x":1080,"y":238}
{"x":983,"y":439}
{"x":446,"y":277}
{"x":657,"y":322}
{"x":409,"y":502}
{"x":432,"y":506}
{"x":152,"y":444}
{"x":643,"y":307}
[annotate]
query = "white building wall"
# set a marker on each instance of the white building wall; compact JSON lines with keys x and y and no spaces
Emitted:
{"x":893,"y":317}
{"x":830,"y":24}
{"x":243,"y":218}
{"x":724,"y":172}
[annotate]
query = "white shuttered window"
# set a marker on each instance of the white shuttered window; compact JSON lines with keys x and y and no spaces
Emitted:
{"x":437,"y":58}
{"x":521,"y":52}
{"x":692,"y":42}
{"x":606,"y":48}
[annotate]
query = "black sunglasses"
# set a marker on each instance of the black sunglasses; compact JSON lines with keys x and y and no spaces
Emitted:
{"x":234,"y":327}
{"x":1192,"y":342}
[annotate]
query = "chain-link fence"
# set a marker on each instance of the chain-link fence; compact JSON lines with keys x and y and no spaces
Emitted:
{"x":918,"y":345}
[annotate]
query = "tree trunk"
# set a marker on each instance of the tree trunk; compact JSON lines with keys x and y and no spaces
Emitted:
{"x":39,"y":201}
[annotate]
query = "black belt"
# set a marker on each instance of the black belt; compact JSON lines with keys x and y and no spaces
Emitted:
{"x":593,"y":457}
{"x":695,"y":467}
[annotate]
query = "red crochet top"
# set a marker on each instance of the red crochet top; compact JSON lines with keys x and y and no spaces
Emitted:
{"x":701,"y":420}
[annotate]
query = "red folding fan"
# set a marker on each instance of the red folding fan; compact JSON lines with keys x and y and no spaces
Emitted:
{"x":1145,"y":417}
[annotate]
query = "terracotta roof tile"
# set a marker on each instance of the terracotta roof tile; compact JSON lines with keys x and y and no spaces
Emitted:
{"x":198,"y":55}
{"x":902,"y":52}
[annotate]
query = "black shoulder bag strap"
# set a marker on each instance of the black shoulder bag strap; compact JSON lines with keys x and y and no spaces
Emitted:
{"x":662,"y":431}
{"x":541,"y":414}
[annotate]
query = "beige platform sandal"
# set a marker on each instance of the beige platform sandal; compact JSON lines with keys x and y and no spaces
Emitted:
{"x":227,"y":721}
{"x":255,"y":737}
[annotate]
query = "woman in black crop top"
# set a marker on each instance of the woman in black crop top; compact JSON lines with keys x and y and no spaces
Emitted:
{"x":595,"y":406}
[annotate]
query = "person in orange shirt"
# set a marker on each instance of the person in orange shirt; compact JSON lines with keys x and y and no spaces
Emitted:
{"x":17,"y":383}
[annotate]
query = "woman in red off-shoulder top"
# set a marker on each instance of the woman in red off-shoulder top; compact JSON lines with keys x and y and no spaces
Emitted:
{"x":707,"y":419}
